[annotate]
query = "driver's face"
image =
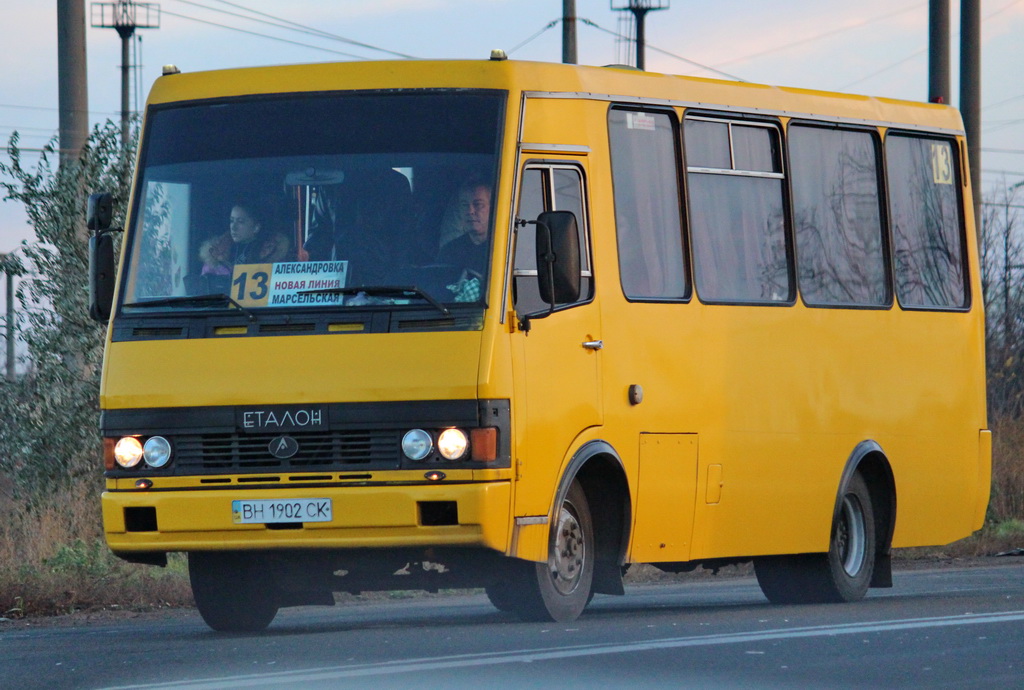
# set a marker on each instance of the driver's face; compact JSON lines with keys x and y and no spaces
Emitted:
{"x":476,"y":210}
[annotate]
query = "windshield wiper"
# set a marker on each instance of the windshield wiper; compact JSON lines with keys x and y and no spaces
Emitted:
{"x":221,"y":298}
{"x":382,"y":291}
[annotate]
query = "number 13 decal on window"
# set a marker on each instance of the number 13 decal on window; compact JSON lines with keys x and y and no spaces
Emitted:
{"x":942,"y":164}
{"x":250,"y":284}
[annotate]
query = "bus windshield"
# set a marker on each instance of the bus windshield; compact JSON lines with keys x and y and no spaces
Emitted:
{"x":315,"y":201}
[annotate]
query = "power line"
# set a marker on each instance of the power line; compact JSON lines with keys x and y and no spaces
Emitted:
{"x":40,"y":129}
{"x":52,"y":109}
{"x":1003,"y":102}
{"x":665,"y":52}
{"x":826,"y":34}
{"x":989,"y":171}
{"x":1007,"y":123}
{"x":1013,"y":151}
{"x":884,"y":69}
{"x":550,"y":25}
{"x":1003,"y":9}
{"x":923,"y":50}
{"x":300,"y":27}
{"x":256,"y":33}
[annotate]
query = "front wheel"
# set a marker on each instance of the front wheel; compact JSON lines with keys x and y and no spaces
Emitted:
{"x":229,"y":592}
{"x":843,"y":574}
{"x":559,"y":589}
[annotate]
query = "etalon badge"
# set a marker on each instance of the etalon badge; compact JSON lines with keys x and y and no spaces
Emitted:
{"x":283,"y":447}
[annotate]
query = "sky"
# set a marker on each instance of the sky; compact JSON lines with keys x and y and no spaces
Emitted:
{"x":877,"y":47}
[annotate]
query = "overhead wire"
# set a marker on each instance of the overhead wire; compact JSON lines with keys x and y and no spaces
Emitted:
{"x":1003,"y":102}
{"x":295,"y":26}
{"x":923,"y":50}
{"x":550,"y":25}
{"x":50,"y":108}
{"x":256,"y":33}
{"x":884,"y":69}
{"x":655,"y":48}
{"x":1002,"y":125}
{"x":817,"y":37}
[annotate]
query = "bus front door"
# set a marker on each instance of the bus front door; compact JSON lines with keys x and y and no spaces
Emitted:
{"x":556,"y":363}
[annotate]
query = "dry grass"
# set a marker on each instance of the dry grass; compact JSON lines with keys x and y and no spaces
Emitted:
{"x":53,"y":560}
{"x":1007,"y":502}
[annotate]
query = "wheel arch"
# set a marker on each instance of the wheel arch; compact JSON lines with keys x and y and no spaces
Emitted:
{"x":873,"y":464}
{"x":602,"y":475}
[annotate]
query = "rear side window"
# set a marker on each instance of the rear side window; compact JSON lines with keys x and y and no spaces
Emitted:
{"x":737,"y":221}
{"x":841,"y":258}
{"x":927,"y":230}
{"x":648,"y":221}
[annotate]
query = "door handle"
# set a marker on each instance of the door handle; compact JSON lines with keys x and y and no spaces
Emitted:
{"x":593,"y":344}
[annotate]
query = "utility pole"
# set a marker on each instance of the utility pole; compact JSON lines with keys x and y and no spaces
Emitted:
{"x":640,"y":8}
{"x":125,"y":16}
{"x":938,"y":51}
{"x":970,"y":92}
{"x":569,"y":32}
{"x":10,"y":306}
{"x":72,"y":91}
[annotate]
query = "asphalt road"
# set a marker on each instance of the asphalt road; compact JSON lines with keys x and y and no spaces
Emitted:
{"x":936,"y":628}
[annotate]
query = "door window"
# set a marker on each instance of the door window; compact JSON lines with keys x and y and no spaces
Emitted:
{"x":547,"y":188}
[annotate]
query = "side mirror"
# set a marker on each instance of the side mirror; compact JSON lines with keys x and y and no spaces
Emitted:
{"x":101,"y":276}
{"x":100,"y":212}
{"x":558,"y":257}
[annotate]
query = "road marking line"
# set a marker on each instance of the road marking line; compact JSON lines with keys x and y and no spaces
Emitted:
{"x":527,"y":656}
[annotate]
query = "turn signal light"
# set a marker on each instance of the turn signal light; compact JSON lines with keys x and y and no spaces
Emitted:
{"x":484,"y":444}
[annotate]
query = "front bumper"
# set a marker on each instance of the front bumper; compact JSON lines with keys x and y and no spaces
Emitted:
{"x":384,"y":515}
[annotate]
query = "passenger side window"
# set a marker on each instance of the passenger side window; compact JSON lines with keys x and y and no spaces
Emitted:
{"x":652,"y":258}
{"x":737,"y":222}
{"x":547,"y":187}
{"x":927,"y":229}
{"x":841,"y":258}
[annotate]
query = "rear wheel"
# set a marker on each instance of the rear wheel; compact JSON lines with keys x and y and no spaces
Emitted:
{"x":229,"y":592}
{"x":842,"y":574}
{"x":560,"y":589}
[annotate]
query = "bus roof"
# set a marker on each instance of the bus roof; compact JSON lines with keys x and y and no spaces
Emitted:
{"x":612,"y":83}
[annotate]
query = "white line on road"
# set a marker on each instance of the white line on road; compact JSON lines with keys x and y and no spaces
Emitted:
{"x":532,"y":655}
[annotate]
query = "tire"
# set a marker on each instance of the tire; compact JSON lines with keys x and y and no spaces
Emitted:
{"x":560,"y":589}
{"x":229,"y":592}
{"x":841,"y":575}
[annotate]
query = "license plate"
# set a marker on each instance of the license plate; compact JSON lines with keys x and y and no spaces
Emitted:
{"x":283,"y":510}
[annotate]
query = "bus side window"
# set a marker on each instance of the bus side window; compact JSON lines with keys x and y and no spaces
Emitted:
{"x":649,"y":234}
{"x":737,"y":216}
{"x":547,"y":188}
{"x":927,"y":230}
{"x":837,"y":215}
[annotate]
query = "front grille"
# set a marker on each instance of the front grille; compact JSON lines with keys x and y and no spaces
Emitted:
{"x":319,"y":450}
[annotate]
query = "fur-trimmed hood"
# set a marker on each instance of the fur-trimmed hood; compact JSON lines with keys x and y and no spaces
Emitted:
{"x":221,"y":251}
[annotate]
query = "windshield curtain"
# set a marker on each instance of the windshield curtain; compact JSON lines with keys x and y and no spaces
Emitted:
{"x":316,"y":201}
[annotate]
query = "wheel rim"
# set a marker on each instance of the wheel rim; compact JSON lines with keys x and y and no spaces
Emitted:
{"x":570,"y":553}
{"x":850,"y":535}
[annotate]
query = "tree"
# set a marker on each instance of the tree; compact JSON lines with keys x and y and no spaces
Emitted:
{"x":1002,"y":262}
{"x":49,"y":414}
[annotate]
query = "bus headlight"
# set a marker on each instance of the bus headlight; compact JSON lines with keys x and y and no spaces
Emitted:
{"x":157,"y":451}
{"x":128,"y":452}
{"x":417,"y":444}
{"x":452,"y":443}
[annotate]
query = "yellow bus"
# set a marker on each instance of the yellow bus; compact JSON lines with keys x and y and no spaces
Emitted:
{"x":512,"y":325}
